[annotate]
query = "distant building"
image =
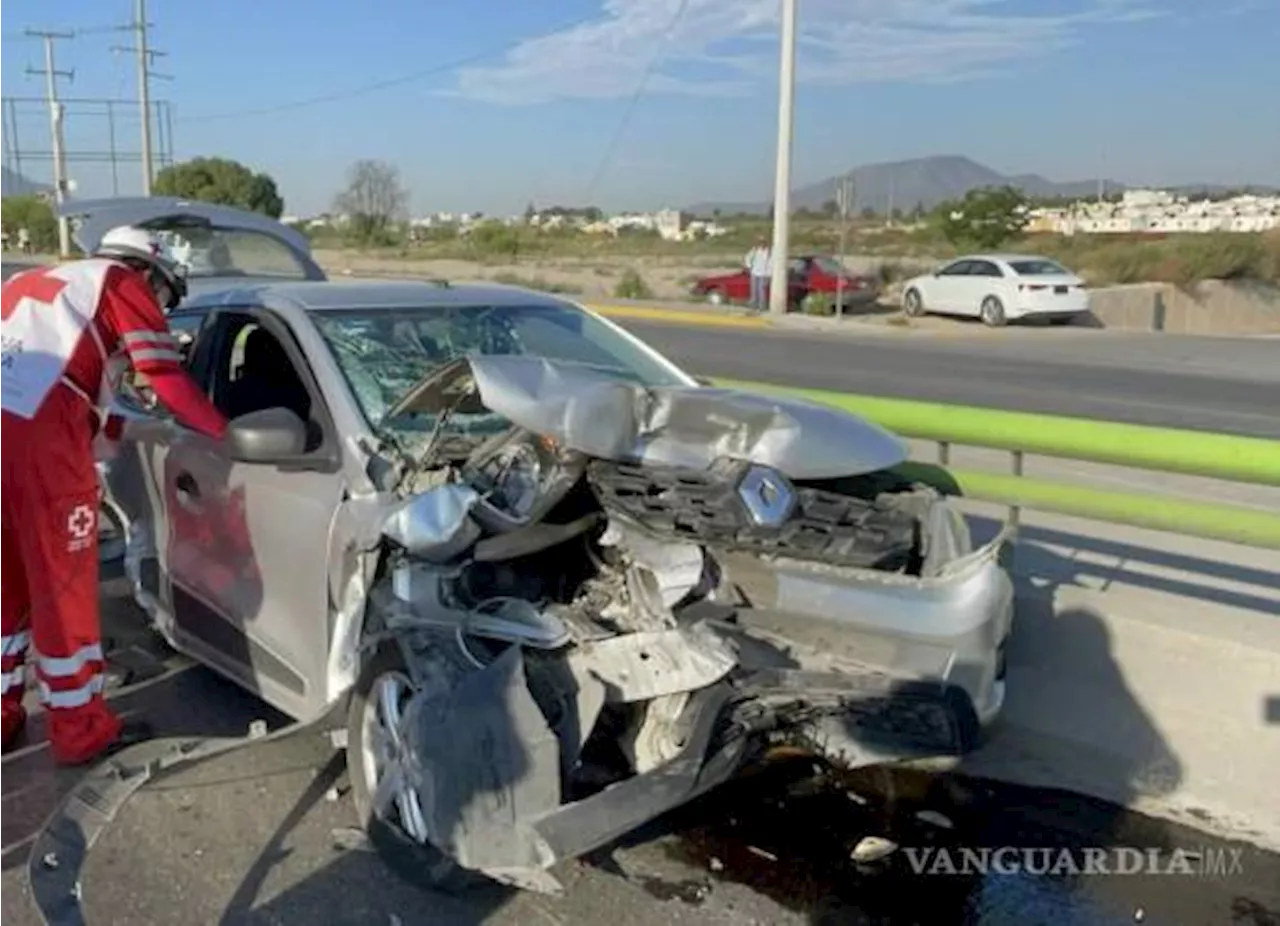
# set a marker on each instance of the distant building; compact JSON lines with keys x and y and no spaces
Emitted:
{"x":1160,"y":212}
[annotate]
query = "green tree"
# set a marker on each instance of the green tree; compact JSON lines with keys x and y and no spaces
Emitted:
{"x":222,"y":181}
{"x":986,"y":217}
{"x":35,"y":215}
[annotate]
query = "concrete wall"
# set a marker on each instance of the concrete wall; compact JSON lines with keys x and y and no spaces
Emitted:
{"x":1145,"y":670}
{"x":1209,"y":307}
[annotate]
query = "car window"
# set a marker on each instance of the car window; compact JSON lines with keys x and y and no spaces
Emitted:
{"x":959,"y":268}
{"x":230,"y":252}
{"x":1037,"y":267}
{"x":186,"y":327}
{"x":985,"y":268}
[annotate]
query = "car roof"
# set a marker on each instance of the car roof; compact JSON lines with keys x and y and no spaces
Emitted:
{"x":1005,"y":257}
{"x":367,"y":295}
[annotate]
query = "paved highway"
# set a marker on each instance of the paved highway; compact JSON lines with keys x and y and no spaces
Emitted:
{"x":1207,"y":383}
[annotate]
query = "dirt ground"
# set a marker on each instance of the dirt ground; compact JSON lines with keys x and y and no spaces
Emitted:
{"x":666,"y":277}
{"x":592,"y":277}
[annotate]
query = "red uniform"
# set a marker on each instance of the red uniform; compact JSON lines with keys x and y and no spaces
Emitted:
{"x":69,"y":331}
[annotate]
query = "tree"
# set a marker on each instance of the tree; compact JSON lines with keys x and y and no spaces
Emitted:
{"x":374,"y":201}
{"x":35,"y":215}
{"x":222,"y":181}
{"x":986,"y":217}
{"x":831,"y":208}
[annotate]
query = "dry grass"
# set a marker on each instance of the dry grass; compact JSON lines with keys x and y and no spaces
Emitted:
{"x":600,"y":266}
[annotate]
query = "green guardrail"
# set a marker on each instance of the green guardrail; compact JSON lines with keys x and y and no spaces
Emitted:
{"x":1193,"y":453}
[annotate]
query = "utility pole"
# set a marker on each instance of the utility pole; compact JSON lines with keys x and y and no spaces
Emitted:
{"x":51,"y":75}
{"x":845,"y":200}
{"x":779,"y":286}
{"x":145,"y":55}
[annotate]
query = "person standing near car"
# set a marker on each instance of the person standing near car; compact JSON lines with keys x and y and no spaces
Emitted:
{"x":759,"y":264}
{"x":69,"y":333}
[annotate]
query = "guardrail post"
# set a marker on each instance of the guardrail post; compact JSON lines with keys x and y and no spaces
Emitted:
{"x":1015,"y":511}
{"x":944,"y":452}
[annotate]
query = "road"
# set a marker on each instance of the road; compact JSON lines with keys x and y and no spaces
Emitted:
{"x":264,"y":836}
{"x":1207,"y":383}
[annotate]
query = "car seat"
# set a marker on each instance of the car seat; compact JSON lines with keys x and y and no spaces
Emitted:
{"x":267,"y":380}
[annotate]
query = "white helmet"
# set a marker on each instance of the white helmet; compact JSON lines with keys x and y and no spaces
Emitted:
{"x":137,"y":245}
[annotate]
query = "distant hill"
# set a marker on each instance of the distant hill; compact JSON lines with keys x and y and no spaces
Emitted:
{"x":929,"y":181}
{"x":13,"y":183}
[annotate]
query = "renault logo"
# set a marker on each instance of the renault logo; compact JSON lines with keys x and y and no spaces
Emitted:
{"x":767,"y":495}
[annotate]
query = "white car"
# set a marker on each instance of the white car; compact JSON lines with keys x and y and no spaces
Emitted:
{"x":997,"y":288}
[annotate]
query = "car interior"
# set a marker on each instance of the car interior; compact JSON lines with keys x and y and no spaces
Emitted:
{"x":255,"y":372}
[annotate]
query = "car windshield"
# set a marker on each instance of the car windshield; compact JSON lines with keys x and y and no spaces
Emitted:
{"x":384,"y":353}
{"x":228,"y":252}
{"x":1037,"y":268}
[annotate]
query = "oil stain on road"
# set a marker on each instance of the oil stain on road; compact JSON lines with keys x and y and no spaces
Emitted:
{"x":913,"y":848}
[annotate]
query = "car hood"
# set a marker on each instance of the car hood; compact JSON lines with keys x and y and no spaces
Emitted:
{"x":614,"y":419}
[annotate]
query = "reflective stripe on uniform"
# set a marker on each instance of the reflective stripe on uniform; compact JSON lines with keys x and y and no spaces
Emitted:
{"x":71,"y":698}
{"x":11,"y":679}
{"x":64,"y":666}
{"x":159,"y":338}
{"x":15,"y":644}
{"x":156,"y":353}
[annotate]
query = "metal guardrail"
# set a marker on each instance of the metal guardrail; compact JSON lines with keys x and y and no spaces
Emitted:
{"x":1171,"y":450}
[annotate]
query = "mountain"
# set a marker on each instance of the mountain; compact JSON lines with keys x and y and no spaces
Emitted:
{"x":13,"y":183}
{"x":903,"y":184}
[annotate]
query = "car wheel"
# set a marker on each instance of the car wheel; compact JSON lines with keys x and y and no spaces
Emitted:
{"x":715,"y":297}
{"x":912,"y":304}
{"x":374,"y":737}
{"x":992,"y":312}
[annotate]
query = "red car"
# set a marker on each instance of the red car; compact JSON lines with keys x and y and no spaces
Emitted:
{"x":809,"y":273}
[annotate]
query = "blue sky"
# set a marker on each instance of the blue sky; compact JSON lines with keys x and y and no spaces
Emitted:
{"x":490,"y":104}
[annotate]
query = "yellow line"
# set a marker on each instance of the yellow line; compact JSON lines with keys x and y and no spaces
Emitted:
{"x":681,"y":316}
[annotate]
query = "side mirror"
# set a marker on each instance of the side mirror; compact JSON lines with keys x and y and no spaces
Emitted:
{"x":266,"y":435}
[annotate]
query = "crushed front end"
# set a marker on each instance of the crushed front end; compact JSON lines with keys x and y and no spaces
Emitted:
{"x":604,"y":617}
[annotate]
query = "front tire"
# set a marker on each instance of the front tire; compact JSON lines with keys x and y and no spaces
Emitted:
{"x":374,"y":732}
{"x":912,"y":303}
{"x":715,"y":297}
{"x":992,"y":312}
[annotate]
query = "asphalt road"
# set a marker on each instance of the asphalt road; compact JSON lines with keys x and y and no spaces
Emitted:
{"x":264,"y":836}
{"x":1216,"y":384}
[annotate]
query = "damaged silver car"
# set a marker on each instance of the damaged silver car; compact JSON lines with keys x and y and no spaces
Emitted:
{"x":557,"y":586}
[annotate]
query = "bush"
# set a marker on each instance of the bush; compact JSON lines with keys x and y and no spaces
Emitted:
{"x":632,"y":286}
{"x":494,"y":239}
{"x":818,"y":304}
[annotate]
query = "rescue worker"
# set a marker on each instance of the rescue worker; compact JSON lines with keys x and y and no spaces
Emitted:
{"x":69,"y":333}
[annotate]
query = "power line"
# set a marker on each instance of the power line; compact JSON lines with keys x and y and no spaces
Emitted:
{"x":364,"y":89}
{"x":635,"y":100}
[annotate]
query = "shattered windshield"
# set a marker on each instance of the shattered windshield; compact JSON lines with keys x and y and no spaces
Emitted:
{"x":383,"y":353}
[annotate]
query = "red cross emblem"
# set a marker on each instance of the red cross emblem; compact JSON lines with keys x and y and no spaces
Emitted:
{"x":38,"y":285}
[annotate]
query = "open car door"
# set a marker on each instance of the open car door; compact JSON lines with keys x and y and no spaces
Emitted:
{"x":220,"y":245}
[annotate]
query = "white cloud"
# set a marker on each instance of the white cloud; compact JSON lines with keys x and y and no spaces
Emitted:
{"x":731,"y":46}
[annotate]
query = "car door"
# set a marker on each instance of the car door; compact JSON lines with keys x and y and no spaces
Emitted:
{"x":945,"y":292}
{"x":985,"y":279}
{"x":247,"y":548}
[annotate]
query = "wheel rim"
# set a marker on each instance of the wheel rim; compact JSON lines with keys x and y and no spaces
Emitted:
{"x":912,"y":303}
{"x":715,"y":297}
{"x":990,"y":311}
{"x":384,"y":754}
